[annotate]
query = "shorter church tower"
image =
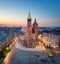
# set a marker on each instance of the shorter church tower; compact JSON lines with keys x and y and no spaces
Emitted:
{"x":35,"y":27}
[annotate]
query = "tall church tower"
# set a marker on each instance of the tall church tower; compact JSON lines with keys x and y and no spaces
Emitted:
{"x":29,"y":31}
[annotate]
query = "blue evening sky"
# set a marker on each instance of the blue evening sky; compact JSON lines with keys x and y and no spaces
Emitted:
{"x":47,"y":12}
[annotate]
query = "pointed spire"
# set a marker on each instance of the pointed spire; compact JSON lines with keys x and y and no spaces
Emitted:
{"x":29,"y":16}
{"x":35,"y":20}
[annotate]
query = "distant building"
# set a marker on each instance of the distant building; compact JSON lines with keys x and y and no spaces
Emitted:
{"x":51,"y":40}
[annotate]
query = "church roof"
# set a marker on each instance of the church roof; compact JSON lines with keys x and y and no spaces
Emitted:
{"x":23,"y":29}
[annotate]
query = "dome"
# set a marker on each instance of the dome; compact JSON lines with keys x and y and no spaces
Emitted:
{"x":35,"y":23}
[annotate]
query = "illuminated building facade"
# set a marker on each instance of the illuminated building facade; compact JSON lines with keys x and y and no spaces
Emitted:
{"x":31,"y":31}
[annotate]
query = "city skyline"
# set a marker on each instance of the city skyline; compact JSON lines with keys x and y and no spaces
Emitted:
{"x":15,"y":12}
